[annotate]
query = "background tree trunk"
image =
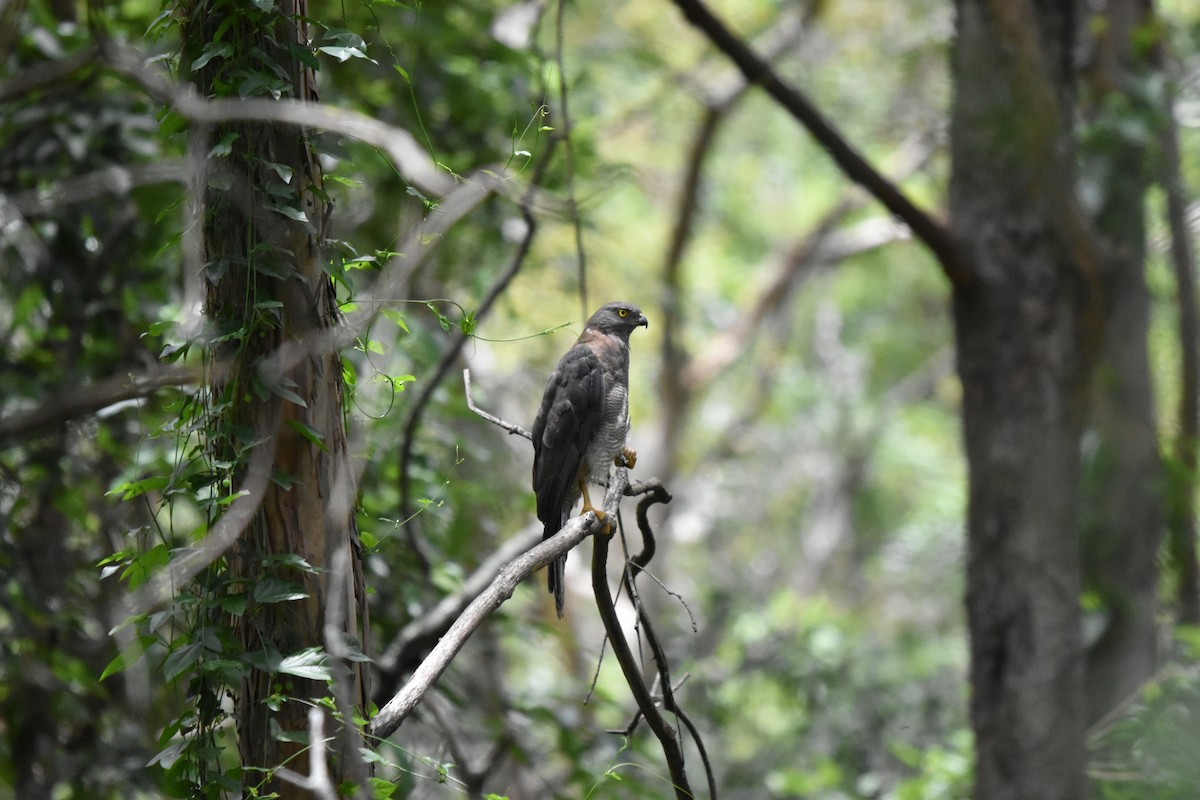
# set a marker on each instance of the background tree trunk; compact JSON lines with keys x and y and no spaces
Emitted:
{"x":266,"y":287}
{"x":1024,"y":328}
{"x":1122,"y":525}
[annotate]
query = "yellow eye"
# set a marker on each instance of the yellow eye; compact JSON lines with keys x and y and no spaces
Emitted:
{"x":622,"y":312}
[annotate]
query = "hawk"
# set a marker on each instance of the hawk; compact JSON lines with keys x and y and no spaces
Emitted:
{"x":581,"y":426}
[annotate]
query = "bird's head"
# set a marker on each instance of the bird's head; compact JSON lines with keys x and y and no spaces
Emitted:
{"x":618,"y":318}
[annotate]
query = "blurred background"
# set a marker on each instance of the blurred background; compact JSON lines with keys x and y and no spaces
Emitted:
{"x":795,"y":393}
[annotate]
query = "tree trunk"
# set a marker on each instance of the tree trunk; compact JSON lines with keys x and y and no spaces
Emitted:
{"x":1025,"y":325}
{"x":1123,"y":480}
{"x":263,"y":218}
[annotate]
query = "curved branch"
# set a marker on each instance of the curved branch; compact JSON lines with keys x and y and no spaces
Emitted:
{"x":932,"y":232}
{"x":662,"y":729}
{"x":511,"y":427}
{"x":460,"y":338}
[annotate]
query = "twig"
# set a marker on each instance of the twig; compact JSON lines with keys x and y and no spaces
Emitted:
{"x":932,"y":232}
{"x":511,"y":427}
{"x":400,"y":146}
{"x":317,"y":780}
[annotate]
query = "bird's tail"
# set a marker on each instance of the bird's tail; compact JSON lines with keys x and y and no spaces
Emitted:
{"x":554,"y":579}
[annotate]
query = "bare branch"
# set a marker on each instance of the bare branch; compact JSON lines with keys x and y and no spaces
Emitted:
{"x":498,"y":591}
{"x":117,"y":179}
{"x":317,"y":780}
{"x":935,"y":234}
{"x":416,"y":638}
{"x":400,"y":146}
{"x":512,"y":428}
{"x":46,"y":74}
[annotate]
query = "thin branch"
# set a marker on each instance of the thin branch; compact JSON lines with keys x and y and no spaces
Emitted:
{"x":318,"y":780}
{"x":511,"y":427}
{"x":46,"y":74}
{"x":1182,"y":513}
{"x":637,"y":565}
{"x":458,"y":339}
{"x":400,"y":146}
{"x":116,"y":179}
{"x":934,"y":233}
{"x":572,"y":202}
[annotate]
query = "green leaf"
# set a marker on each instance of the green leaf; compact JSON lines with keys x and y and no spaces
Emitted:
{"x":225,"y":146}
{"x":292,"y":560}
{"x":291,"y":212}
{"x":309,"y":663}
{"x":396,"y":317}
{"x":308,"y":432}
{"x":212,"y":50}
{"x":287,"y":394}
{"x":134,"y":489}
{"x":345,"y":53}
{"x":277,"y":590}
{"x":234,"y":604}
{"x":167,"y":757}
{"x":181,"y":660}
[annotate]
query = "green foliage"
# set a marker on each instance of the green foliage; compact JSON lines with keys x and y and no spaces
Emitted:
{"x":1145,"y":752}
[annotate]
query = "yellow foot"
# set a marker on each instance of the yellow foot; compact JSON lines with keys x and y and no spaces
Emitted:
{"x":587,"y":506}
{"x":626,"y":458}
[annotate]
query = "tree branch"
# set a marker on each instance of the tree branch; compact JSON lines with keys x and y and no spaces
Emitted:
{"x":935,"y":235}
{"x":511,"y":427}
{"x":454,"y":348}
{"x":498,"y":591}
{"x":79,"y":401}
{"x":400,"y":146}
{"x":417,"y":637}
{"x":667,"y":737}
{"x":1182,"y":506}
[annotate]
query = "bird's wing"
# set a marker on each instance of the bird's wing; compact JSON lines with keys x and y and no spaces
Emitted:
{"x":571,"y":412}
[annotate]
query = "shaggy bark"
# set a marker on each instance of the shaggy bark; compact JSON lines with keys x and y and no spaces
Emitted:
{"x":266,"y":287}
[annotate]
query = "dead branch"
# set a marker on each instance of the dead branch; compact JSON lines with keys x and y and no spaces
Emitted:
{"x":497,"y":592}
{"x":117,"y":179}
{"x":511,"y":427}
{"x":934,"y":233}
{"x":416,"y":638}
{"x":400,"y":146}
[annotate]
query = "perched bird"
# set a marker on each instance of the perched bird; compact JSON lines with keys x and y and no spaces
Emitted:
{"x":580,"y":430}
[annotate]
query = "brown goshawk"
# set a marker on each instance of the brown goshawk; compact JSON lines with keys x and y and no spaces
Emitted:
{"x":580,"y":430}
